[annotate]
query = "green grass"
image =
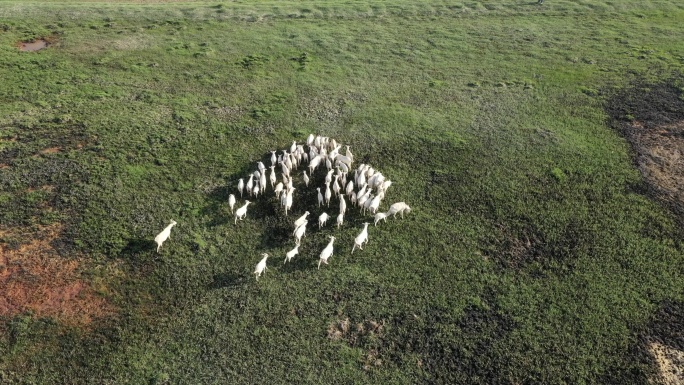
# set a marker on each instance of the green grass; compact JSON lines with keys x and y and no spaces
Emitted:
{"x":487,"y":116}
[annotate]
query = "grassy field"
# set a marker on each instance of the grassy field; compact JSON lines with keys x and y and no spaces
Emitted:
{"x":532,"y":254}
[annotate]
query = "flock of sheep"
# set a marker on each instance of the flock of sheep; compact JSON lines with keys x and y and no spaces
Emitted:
{"x":365,"y":188}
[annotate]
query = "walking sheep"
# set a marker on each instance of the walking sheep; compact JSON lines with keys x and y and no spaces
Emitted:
{"x":361,"y":238}
{"x":261,"y":266}
{"x":299,"y":232}
{"x":231,"y":202}
{"x":290,"y":254}
{"x":326,"y":253}
{"x":241,"y":213}
{"x":164,"y":235}
{"x":241,"y":186}
{"x":322,"y":219}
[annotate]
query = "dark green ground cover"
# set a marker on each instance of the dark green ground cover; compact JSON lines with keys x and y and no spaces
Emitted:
{"x":531,"y":254}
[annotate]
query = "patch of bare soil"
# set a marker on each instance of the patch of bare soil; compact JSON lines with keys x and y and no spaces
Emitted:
{"x":670,"y":363}
{"x":651,"y":118}
{"x":34,"y":278}
{"x":660,"y":158}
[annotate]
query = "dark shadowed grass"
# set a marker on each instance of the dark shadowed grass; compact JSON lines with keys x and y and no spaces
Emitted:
{"x":530,"y":255}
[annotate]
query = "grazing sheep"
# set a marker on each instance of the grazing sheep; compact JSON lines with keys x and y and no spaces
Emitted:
{"x":326,"y":253}
{"x":340,"y":220}
{"x":328,"y":177}
{"x":261,"y":166}
{"x":231,"y":202}
{"x":399,"y":207}
{"x":310,"y":140}
{"x":320,"y":196}
{"x":290,"y":254}
{"x":343,"y":205}
{"x":361,"y":238}
{"x":256,"y":190}
{"x":261,"y":266}
{"x":293,"y":147}
{"x":301,"y":220}
{"x":164,"y":235}
{"x":379,"y":217}
{"x":274,"y":159}
{"x":299,"y":232}
{"x":322,"y":220}
{"x":385,"y":185}
{"x":241,"y":186}
{"x":241,"y":213}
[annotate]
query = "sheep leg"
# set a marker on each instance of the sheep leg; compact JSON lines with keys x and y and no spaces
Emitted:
{"x":353,"y":248}
{"x":319,"y":264}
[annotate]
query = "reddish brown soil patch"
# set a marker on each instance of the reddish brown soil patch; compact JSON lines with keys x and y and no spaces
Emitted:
{"x":51,"y":150}
{"x":34,"y":278}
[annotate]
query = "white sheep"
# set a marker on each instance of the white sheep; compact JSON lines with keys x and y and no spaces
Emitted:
{"x":288,"y":200}
{"x":343,"y":205}
{"x":367,"y":203}
{"x":375,"y":204}
{"x":379,"y":217}
{"x":320,"y":196}
{"x":261,"y":166}
{"x":322,"y":220}
{"x":231,"y":202}
{"x":256,"y":190}
{"x":285,"y":169}
{"x":399,"y":207}
{"x":290,"y":254}
{"x":273,"y":176}
{"x":250,"y":184}
{"x":241,"y":186}
{"x":336,"y":186}
{"x":278,"y":189}
{"x":326,"y":253}
{"x":241,"y":213}
{"x":361,"y":238}
{"x":164,"y":235}
{"x":340,"y":220}
{"x":261,"y":266}
{"x":300,"y":221}
{"x":349,"y":154}
{"x":328,"y":176}
{"x":328,"y":194}
{"x":350,"y":188}
{"x":293,"y":147}
{"x":299,"y":232}
{"x":310,"y":140}
{"x":274,"y":159}
{"x":306,"y":178}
